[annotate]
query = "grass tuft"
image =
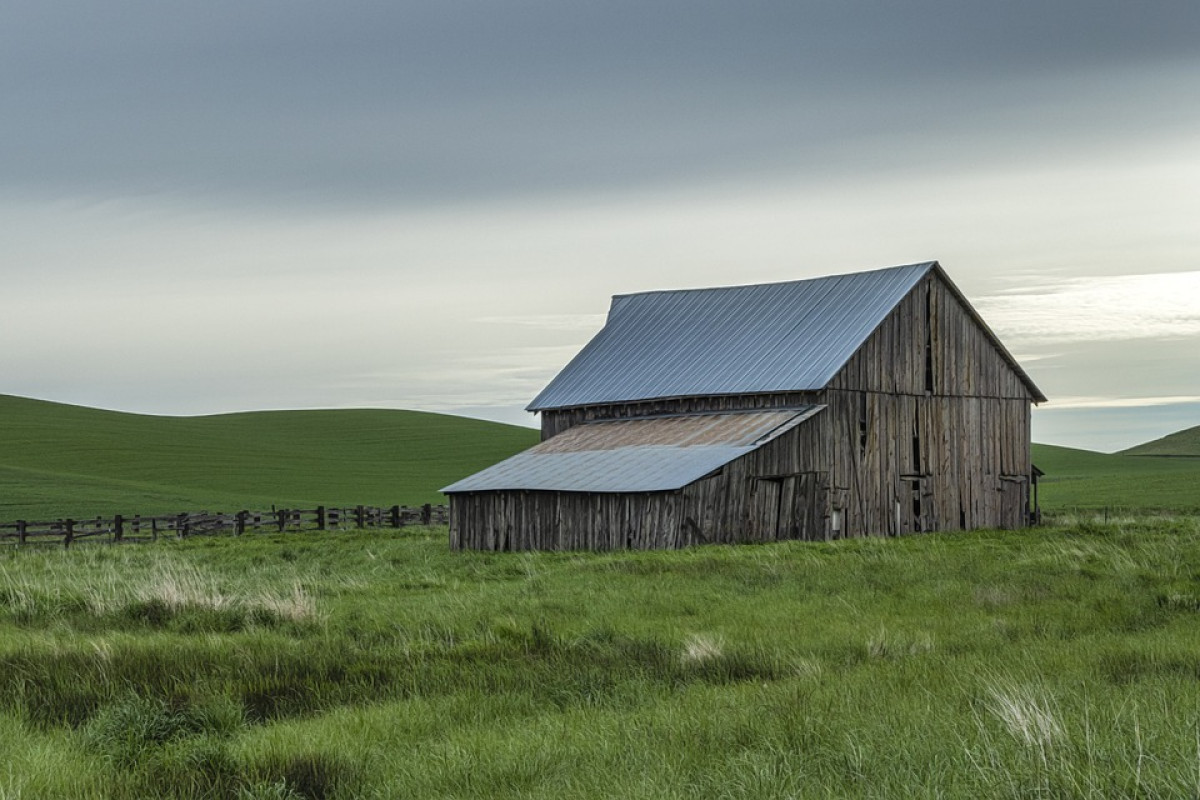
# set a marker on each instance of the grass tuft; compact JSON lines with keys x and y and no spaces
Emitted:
{"x":1027,"y":715}
{"x":702,"y":647}
{"x":308,"y":775}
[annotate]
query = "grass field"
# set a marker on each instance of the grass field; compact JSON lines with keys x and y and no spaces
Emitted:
{"x":61,"y":460}
{"x":1056,"y":662}
{"x":1060,"y":662}
{"x":1083,"y":480}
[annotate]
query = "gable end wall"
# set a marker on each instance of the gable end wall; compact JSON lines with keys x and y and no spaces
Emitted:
{"x":935,"y":442}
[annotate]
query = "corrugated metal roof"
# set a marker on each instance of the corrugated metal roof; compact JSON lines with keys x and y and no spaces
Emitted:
{"x":733,"y":340}
{"x":636,"y":455}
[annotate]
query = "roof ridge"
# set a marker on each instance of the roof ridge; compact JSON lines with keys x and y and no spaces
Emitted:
{"x":731,"y":287}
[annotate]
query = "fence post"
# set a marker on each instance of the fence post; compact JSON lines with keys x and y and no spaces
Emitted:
{"x":360,"y":514}
{"x":181,"y":526}
{"x":281,"y":519}
{"x":394,"y":511}
{"x":118,"y":528}
{"x":21,"y":531}
{"x":321,"y":518}
{"x":69,"y":533}
{"x":426,"y":514}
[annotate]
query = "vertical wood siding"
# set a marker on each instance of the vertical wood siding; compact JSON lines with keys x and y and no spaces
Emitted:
{"x":777,"y":492}
{"x":947,"y":430}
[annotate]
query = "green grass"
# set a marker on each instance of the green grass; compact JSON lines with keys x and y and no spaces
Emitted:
{"x":1054,"y":662}
{"x":1180,"y":443}
{"x":1059,"y":662}
{"x":1081,"y":479}
{"x":58,"y":460}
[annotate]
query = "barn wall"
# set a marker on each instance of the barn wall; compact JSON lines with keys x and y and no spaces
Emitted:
{"x":907,"y":463}
{"x":518,"y":520}
{"x":779,"y":491}
{"x":930,"y":424}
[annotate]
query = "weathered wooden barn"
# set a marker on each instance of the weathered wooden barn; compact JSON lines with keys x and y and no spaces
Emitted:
{"x":875,"y":403}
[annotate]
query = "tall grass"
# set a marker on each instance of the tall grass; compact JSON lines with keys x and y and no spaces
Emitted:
{"x":1060,"y":662}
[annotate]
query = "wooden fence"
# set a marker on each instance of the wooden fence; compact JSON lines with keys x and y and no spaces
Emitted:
{"x":119,"y":529}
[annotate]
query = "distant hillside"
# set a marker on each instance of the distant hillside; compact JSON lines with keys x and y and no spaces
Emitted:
{"x":1181,"y":443}
{"x":58,"y":460}
{"x":1087,"y":480}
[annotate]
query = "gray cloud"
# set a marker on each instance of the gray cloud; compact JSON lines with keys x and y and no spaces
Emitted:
{"x":407,"y":103}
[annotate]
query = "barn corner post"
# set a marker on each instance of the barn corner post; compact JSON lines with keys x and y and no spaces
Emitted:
{"x":1035,"y":507}
{"x":875,"y":403}
{"x":454,"y":533}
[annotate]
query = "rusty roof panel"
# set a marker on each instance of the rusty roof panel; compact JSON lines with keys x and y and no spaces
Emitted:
{"x":636,"y":455}
{"x":733,"y":429}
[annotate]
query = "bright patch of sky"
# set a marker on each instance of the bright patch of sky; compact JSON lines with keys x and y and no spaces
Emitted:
{"x":1104,"y":308}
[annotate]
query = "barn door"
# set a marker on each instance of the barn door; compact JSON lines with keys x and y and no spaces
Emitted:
{"x":914,"y":507}
{"x":763,"y":509}
{"x":1014,"y":500}
{"x":787,"y":507}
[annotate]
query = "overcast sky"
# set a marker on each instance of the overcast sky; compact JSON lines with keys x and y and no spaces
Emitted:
{"x":223,"y":206}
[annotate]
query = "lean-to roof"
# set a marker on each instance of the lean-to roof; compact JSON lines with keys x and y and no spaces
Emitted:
{"x":636,"y":455}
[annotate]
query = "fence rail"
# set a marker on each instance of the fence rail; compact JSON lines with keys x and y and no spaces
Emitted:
{"x":139,"y":528}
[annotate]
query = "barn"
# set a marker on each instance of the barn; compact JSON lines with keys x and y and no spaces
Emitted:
{"x":876,"y":403}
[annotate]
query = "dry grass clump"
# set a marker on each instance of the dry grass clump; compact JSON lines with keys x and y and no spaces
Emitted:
{"x":158,"y":591}
{"x":1027,"y":715}
{"x":700,"y":647}
{"x":888,"y":645}
{"x":180,"y":586}
{"x":296,"y":605}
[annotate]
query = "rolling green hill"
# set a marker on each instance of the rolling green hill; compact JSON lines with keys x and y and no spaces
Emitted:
{"x":59,"y":460}
{"x":1180,"y":443}
{"x":1086,"y":480}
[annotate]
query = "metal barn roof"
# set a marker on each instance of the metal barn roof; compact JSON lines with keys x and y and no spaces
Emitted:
{"x":636,"y":455}
{"x":734,"y":340}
